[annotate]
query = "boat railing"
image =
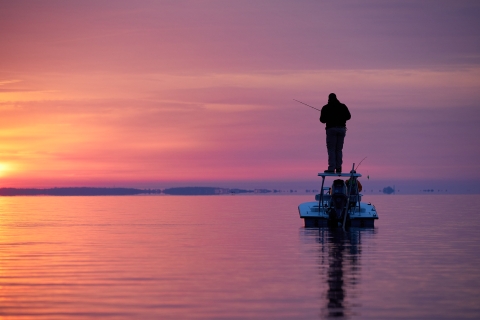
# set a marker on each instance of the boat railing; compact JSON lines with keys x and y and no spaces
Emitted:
{"x":324,"y":197}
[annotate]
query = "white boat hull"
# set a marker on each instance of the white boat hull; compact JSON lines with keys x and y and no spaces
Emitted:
{"x":363,"y":215}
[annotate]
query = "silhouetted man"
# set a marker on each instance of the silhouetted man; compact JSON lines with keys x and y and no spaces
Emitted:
{"x":335,"y":116}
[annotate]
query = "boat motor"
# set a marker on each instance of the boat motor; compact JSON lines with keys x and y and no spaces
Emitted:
{"x":339,"y":199}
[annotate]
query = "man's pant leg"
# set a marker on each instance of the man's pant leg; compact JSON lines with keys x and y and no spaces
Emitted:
{"x":331,"y":147}
{"x":340,"y":138}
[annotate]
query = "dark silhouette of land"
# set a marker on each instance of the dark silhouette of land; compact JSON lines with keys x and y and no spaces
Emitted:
{"x":75,"y":191}
{"x":202,"y":191}
{"x":388,"y":190}
{"x":88,"y":191}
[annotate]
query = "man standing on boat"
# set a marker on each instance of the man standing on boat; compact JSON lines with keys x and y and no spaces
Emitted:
{"x":335,"y":115}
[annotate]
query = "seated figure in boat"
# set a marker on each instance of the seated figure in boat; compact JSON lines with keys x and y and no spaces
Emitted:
{"x":355,"y":190}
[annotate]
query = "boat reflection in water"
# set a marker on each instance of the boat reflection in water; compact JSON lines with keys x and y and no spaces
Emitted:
{"x":339,"y":254}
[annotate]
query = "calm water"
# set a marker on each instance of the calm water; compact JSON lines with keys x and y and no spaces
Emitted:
{"x":236,"y":257}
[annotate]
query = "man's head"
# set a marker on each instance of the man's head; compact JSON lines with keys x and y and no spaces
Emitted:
{"x":332,"y":97}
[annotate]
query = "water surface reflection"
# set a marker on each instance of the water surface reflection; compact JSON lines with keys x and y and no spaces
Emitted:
{"x":339,"y":259}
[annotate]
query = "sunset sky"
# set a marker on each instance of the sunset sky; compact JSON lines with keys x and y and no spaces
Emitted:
{"x":164,"y":93}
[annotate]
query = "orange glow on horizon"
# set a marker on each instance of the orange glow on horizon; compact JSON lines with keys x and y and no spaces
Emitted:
{"x":93,"y":93}
{"x":59,"y":135}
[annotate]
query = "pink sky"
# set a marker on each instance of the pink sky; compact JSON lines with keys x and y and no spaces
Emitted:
{"x":155,"y":93}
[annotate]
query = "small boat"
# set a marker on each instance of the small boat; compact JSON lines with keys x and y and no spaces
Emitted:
{"x":339,"y":205}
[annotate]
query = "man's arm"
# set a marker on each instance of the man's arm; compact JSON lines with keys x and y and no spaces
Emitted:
{"x":323,"y":115}
{"x":348,"y":116}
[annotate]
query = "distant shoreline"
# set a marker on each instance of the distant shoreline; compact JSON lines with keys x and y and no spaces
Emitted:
{"x":188,"y":191}
{"x":91,"y":191}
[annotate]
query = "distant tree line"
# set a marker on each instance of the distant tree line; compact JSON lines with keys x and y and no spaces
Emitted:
{"x":388,"y":190}
{"x":194,"y":191}
{"x":88,"y":191}
{"x":74,"y":191}
{"x":209,"y":191}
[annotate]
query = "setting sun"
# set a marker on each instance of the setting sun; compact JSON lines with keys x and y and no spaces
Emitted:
{"x":5,"y":168}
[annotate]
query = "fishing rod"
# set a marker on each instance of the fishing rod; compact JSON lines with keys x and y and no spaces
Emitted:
{"x":313,"y":108}
{"x":360,"y":163}
{"x":307,"y":105}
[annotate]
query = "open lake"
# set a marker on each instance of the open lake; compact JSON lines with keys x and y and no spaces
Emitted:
{"x":236,"y":257}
